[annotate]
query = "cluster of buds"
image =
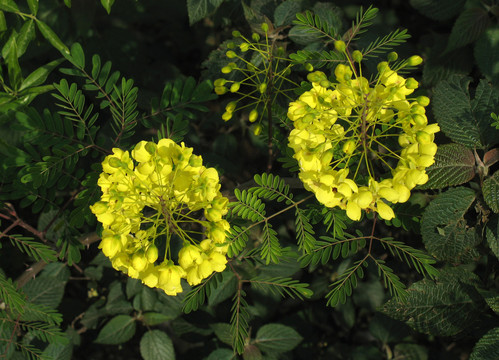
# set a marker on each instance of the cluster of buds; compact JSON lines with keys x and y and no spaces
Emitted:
{"x":342,"y":129}
{"x":155,"y":202}
{"x":259,"y":70}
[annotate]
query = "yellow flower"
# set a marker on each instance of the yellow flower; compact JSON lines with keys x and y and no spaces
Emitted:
{"x":159,"y":195}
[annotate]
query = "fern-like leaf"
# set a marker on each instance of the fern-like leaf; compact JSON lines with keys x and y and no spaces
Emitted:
{"x":391,"y":280}
{"x":239,"y":321}
{"x":363,"y":20}
{"x":304,"y":232}
{"x":283,"y":286}
{"x":197,"y":296}
{"x":270,"y":248}
{"x":34,"y":249}
{"x":124,"y":112}
{"x":12,"y":297}
{"x":386,"y":43}
{"x":329,"y":247}
{"x":271,"y":187}
{"x":237,"y":238}
{"x":249,"y":206}
{"x":415,"y":258}
{"x":345,"y":284}
{"x":45,"y":332}
{"x":313,"y":24}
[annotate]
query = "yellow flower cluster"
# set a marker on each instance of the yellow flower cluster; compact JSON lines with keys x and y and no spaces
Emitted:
{"x":345,"y":134}
{"x":164,"y":200}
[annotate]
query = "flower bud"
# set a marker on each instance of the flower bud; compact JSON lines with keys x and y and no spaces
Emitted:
{"x":220,"y":82}
{"x":253,"y":115}
{"x":236,"y":33}
{"x":393,"y":56}
{"x":340,"y":45}
{"x":411,"y":83}
{"x":423,"y":100}
{"x":382,"y":66}
{"x":230,"y":54}
{"x":244,"y":47}
{"x":349,"y":147}
{"x":357,"y":56}
{"x":265,"y":27}
{"x":308,"y":67}
{"x":220,"y":90}
{"x":139,"y":261}
{"x":114,"y":162}
{"x":423,"y":137}
{"x":226,"y":116}
{"x":414,"y":60}
{"x":235,"y":87}
{"x":226,"y":69}
{"x":262,"y":88}
{"x":257,"y":129}
{"x":419,"y":119}
{"x":152,"y":253}
{"x":231,"y":45}
{"x":230,"y":107}
{"x":255,"y":37}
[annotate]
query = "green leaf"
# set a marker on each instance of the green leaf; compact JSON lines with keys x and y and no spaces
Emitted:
{"x":224,"y":290}
{"x":156,"y":345}
{"x":446,"y":234}
{"x":118,"y":330}
{"x":33,"y":6}
{"x":199,"y":9}
{"x":55,"y":351}
{"x":487,"y":348}
{"x":26,"y":34}
{"x":284,"y":13}
{"x":277,"y":338}
{"x":464,"y":120}
{"x":3,"y":22}
{"x":223,"y":333}
{"x":39,"y":76}
{"x":8,"y":5}
{"x":470,"y":24}
{"x":490,"y":190}
{"x":410,"y":352}
{"x":154,"y":318}
{"x":77,"y":56}
{"x":487,"y":53}
{"x":14,"y":70}
{"x":221,"y":354}
{"x":52,"y":38}
{"x":446,"y":307}
{"x":107,"y":4}
{"x":438,"y":9}
{"x":454,"y":165}
{"x":492,"y":234}
{"x":48,"y":288}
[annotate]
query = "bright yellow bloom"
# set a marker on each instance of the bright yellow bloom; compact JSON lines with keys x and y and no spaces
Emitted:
{"x":162,"y":194}
{"x":358,"y":121}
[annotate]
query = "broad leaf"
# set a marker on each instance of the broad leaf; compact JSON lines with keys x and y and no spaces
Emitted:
{"x":223,"y":333}
{"x":277,"y":338}
{"x":470,"y":24}
{"x":285,"y":13}
{"x":52,"y":37}
{"x":487,"y":348}
{"x":492,"y":234}
{"x":107,"y":4}
{"x":118,"y":330}
{"x":490,"y":190}
{"x":462,"y":119}
{"x":156,"y":345}
{"x":446,"y":307}
{"x":199,"y":9}
{"x":487,"y":53}
{"x":38,"y":76}
{"x":438,"y":9}
{"x":8,"y":5}
{"x":446,"y":234}
{"x":454,"y":165}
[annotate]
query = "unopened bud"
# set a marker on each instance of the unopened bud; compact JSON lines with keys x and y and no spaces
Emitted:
{"x":262,"y":88}
{"x":235,"y":87}
{"x":357,"y":56}
{"x":265,"y":27}
{"x":230,"y":107}
{"x":227,"y":116}
{"x":340,"y":45}
{"x":253,"y":115}
{"x":230,"y":54}
{"x":423,"y":100}
{"x":226,"y":69}
{"x":393,"y":56}
{"x":244,"y":47}
{"x":257,"y":129}
{"x":114,"y":162}
{"x":220,"y":90}
{"x":255,"y":37}
{"x":236,"y":33}
{"x":308,"y":67}
{"x":411,"y":83}
{"x":349,"y":147}
{"x":220,"y":82}
{"x":414,"y":60}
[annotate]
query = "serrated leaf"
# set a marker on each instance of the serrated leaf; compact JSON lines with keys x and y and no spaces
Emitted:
{"x":438,"y":9}
{"x":446,"y":307}
{"x":487,"y":53}
{"x":284,"y":13}
{"x":199,"y":9}
{"x":445,"y":232}
{"x":490,"y":190}
{"x":462,"y":119}
{"x":277,"y":338}
{"x":223,"y":332}
{"x":224,"y":290}
{"x":454,"y":165}
{"x":487,"y":348}
{"x":221,"y":354}
{"x":469,"y":25}
{"x":156,"y":345}
{"x":154,"y":318}
{"x":491,"y":157}
{"x":118,"y":330}
{"x":408,"y":351}
{"x":492,"y":234}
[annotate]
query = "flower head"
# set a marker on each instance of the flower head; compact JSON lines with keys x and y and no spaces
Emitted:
{"x":159,"y":204}
{"x":362,"y":145}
